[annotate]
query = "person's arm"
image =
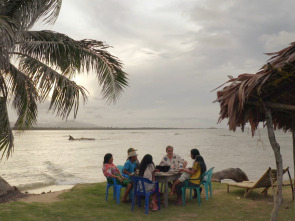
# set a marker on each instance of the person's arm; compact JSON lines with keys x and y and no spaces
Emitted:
{"x":108,"y":173}
{"x":153,"y":174}
{"x":125,"y":171}
{"x":182,"y":161}
{"x":191,"y":172}
{"x":164,"y":161}
{"x":115,"y":176}
{"x":126,"y":167}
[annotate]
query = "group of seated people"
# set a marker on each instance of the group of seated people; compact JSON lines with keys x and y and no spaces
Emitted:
{"x":147,"y":169}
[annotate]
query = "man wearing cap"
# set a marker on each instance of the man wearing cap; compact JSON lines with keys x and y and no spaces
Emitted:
{"x":130,"y":165}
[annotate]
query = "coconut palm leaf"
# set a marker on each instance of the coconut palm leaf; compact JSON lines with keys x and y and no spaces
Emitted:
{"x":35,"y":65}
{"x":7,"y":38}
{"x":3,"y":87}
{"x":66,"y":93}
{"x":25,"y":98}
{"x":6,"y":136}
{"x":28,"y":12}
{"x":72,"y":57}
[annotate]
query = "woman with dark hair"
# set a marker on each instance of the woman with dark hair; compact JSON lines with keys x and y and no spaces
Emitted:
{"x":110,"y":170}
{"x":195,"y":172}
{"x":147,"y":170}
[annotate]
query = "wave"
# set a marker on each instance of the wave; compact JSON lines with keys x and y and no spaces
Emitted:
{"x":37,"y":185}
{"x":53,"y":175}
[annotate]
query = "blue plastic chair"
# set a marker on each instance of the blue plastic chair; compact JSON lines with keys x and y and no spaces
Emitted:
{"x":111,"y":185}
{"x":116,"y":187}
{"x":206,"y":181}
{"x":139,"y":191}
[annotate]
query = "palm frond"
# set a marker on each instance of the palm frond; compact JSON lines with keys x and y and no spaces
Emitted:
{"x":27,"y":12}
{"x":7,"y":39}
{"x":72,"y":57}
{"x":6,"y":135}
{"x":24,"y":96}
{"x":66,"y":93}
{"x":3,"y":87}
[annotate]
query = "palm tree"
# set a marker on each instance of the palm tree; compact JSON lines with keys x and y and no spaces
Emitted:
{"x":34,"y":64}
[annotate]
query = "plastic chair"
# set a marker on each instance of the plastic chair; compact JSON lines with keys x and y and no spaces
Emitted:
{"x":186,"y":186}
{"x":116,"y":187}
{"x":120,"y":167}
{"x":139,"y":190}
{"x":114,"y":184}
{"x":206,"y":181}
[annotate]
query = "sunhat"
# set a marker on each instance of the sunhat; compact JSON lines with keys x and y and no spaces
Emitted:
{"x":131,"y":150}
{"x":132,"y":154}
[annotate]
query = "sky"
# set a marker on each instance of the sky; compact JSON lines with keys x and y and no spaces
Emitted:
{"x":175,"y":53}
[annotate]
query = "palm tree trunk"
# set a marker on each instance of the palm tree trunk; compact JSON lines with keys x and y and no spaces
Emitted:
{"x":279,"y":164}
{"x":293,"y":138}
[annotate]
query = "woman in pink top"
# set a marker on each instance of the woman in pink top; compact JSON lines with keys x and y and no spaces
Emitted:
{"x":110,"y":170}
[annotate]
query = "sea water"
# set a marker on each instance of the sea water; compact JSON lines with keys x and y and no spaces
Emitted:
{"x":46,"y":160}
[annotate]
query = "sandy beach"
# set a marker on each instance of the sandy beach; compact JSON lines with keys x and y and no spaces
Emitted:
{"x":49,"y":197}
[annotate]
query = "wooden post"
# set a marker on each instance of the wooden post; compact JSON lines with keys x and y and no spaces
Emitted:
{"x":279,"y":163}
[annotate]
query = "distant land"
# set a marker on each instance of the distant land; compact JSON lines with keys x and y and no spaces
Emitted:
{"x":74,"y":125}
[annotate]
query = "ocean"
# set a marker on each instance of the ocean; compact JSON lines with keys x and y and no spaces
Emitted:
{"x":46,"y":160}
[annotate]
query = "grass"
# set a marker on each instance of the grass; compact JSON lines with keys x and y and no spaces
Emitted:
{"x":87,"y":202}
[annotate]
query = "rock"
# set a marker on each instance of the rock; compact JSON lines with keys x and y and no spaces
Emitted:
{"x":235,"y":174}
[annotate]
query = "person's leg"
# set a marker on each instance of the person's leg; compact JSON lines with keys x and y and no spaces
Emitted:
{"x":179,"y":193}
{"x":195,"y":191}
{"x":154,"y":202}
{"x":128,"y":189}
{"x":173,"y":187}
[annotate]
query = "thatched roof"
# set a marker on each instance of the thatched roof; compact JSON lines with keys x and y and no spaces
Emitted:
{"x":241,"y":99}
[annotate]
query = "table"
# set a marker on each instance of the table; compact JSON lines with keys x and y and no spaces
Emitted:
{"x":164,"y":178}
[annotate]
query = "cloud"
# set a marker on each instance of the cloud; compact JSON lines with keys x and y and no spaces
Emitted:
{"x":175,"y":53}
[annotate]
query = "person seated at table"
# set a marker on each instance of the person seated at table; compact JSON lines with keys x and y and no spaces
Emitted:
{"x":184,"y":176}
{"x":110,"y":170}
{"x":130,"y":165}
{"x":172,"y":160}
{"x":147,"y":170}
{"x":198,"y":168}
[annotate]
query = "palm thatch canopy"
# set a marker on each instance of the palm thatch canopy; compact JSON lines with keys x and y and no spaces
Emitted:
{"x":243,"y":98}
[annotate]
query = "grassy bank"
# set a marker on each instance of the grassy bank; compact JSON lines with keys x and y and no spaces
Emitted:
{"x":86,"y":202}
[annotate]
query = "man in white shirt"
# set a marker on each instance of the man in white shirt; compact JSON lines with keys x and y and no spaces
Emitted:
{"x":172,"y":160}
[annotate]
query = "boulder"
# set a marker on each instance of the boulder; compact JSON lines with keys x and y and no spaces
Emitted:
{"x":235,"y":174}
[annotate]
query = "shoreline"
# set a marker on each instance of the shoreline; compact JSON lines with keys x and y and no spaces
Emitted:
{"x":48,"y":189}
{"x":48,"y":197}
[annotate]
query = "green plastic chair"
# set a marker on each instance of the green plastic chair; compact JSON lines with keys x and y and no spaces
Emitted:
{"x":120,"y":167}
{"x":186,"y":186}
{"x":206,"y":181}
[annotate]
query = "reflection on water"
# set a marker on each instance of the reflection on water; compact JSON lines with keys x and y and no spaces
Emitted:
{"x":46,"y":158}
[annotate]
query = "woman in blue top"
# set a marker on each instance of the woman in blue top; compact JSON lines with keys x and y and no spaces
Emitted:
{"x":130,"y":165}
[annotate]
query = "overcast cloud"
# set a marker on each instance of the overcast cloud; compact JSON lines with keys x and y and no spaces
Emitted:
{"x":175,"y":53}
